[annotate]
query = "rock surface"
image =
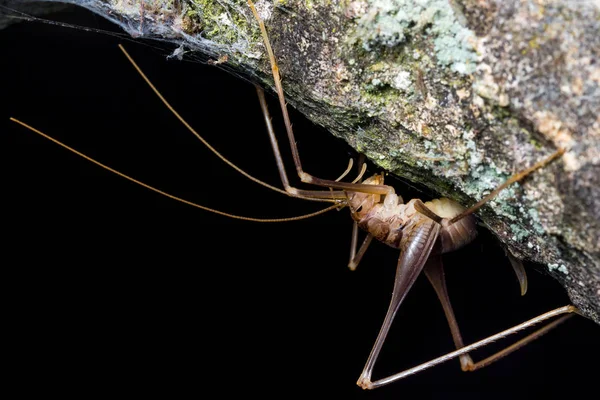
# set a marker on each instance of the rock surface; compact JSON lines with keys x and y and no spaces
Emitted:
{"x":455,"y":95}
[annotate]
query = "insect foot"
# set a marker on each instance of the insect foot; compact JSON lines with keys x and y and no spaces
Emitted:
{"x":365,"y":383}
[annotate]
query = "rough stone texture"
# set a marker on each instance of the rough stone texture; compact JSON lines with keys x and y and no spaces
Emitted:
{"x":456,"y":95}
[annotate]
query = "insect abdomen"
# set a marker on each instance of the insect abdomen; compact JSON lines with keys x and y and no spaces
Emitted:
{"x":458,"y":234}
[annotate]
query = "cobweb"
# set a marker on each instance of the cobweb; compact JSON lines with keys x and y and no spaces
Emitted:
{"x":216,"y":28}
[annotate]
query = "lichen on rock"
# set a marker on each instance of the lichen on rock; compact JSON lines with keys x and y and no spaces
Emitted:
{"x":455,"y":95}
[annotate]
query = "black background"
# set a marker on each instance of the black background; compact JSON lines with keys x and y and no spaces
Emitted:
{"x":115,"y":289}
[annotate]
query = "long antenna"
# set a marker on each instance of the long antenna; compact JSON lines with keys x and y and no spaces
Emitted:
{"x":193,"y":131}
{"x":212,"y":210}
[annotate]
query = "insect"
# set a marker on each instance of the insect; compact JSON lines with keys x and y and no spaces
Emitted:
{"x":421,"y":231}
{"x":251,"y":231}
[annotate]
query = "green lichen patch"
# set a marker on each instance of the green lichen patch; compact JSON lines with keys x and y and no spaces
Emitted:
{"x":559,"y":267}
{"x":392,"y":23}
{"x":221,"y":22}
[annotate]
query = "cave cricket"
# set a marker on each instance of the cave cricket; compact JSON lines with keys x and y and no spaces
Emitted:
{"x":421,"y":231}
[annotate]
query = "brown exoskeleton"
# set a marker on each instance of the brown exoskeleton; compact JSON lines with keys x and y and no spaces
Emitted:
{"x":420,"y":231}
